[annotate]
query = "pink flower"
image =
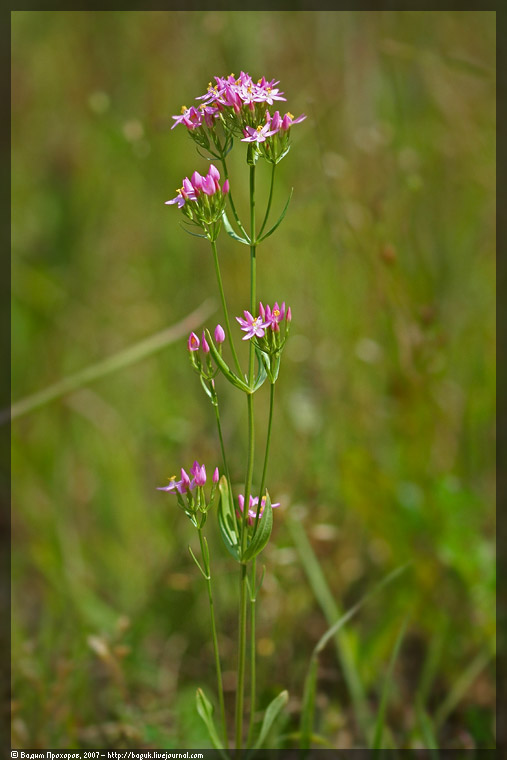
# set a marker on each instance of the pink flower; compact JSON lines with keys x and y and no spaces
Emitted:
{"x":191,"y":117}
{"x":193,"y":342}
{"x":252,"y":325}
{"x":199,"y":473}
{"x":252,"y":507}
{"x":182,"y":486}
{"x":288,"y":120}
{"x":259,"y":134}
{"x":275,"y":316}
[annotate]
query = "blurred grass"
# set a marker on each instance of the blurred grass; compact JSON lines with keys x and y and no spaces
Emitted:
{"x":383,"y":443}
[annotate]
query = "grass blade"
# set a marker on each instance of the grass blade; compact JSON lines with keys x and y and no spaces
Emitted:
{"x":332,"y":613}
{"x":379,"y":727}
{"x":307,"y":713}
{"x":113,"y":363}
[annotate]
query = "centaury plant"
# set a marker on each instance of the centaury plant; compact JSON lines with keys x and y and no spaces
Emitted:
{"x":235,"y":108}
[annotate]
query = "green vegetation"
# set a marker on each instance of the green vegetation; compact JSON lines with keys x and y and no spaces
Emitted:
{"x":382,"y":451}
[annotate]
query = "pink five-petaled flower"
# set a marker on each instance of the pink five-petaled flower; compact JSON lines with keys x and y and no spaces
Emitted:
{"x":252,"y":507}
{"x":252,"y":325}
{"x":190,"y":117}
{"x":288,"y":120}
{"x":193,"y":342}
{"x":259,"y":134}
{"x":182,"y":486}
{"x":274,"y":316}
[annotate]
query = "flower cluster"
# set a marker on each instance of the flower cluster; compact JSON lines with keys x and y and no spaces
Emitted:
{"x":270,"y":326}
{"x":275,"y":126}
{"x":252,"y":507}
{"x":241,"y":106}
{"x":189,"y":491}
{"x":201,"y":198}
{"x":194,"y":344}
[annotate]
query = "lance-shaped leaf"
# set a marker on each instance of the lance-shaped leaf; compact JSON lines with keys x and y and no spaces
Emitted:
{"x":270,"y":715}
{"x":277,"y":224}
{"x":263,"y":360}
{"x":205,"y":710}
{"x":230,"y":231}
{"x":228,"y":373}
{"x":227,"y":519}
{"x":194,"y":234}
{"x":208,"y":391}
{"x":261,"y":536}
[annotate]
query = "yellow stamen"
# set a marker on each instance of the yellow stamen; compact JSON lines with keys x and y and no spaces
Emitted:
{"x":276,"y":313}
{"x":291,"y":116}
{"x":173,"y":477}
{"x":183,"y":109}
{"x":259,"y":128}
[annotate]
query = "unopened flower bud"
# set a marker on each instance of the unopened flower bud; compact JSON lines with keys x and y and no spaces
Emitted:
{"x":288,"y":316}
{"x":225,"y":188}
{"x":216,"y":475}
{"x":193,"y":342}
{"x":204,"y":344}
{"x":219,"y":334}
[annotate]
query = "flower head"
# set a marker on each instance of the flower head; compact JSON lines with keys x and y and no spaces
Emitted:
{"x":219,"y":334}
{"x":252,"y":325}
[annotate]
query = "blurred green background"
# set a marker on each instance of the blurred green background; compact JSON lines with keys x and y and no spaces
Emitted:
{"x":383,"y":445}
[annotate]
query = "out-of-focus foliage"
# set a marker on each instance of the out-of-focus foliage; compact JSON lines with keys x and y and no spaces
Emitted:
{"x":383,"y":444}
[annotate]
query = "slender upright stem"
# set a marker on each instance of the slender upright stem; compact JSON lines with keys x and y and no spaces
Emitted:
{"x":220,"y":688}
{"x":231,"y":201}
{"x":219,"y":428}
{"x":248,"y":485}
{"x":268,"y":207}
{"x":224,"y":305}
{"x":268,"y":439}
{"x":253,"y":583}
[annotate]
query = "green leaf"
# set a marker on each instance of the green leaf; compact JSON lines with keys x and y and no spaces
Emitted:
{"x":262,"y":534}
{"x":205,"y":710}
{"x":227,"y":519}
{"x":230,"y":231}
{"x":208,"y":391}
{"x":277,"y":224}
{"x":270,"y":715}
{"x":379,"y":727}
{"x":205,"y":575}
{"x":189,"y":232}
{"x":231,"y":377}
{"x":263,"y":360}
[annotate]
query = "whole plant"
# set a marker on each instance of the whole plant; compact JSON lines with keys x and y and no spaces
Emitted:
{"x":243,"y":113}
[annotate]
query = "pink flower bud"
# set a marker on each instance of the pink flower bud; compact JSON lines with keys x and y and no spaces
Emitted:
{"x":213,"y":172}
{"x":288,"y":316}
{"x":216,"y":475}
{"x":193,"y":342}
{"x":219,"y":334}
{"x":185,"y":481}
{"x":204,"y":344}
{"x":262,"y":311}
{"x":225,"y":188}
{"x":208,"y":185}
{"x":197,"y":181}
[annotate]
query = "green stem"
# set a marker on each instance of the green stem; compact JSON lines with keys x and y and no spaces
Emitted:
{"x":220,"y":688}
{"x":233,"y":207}
{"x":248,"y":483}
{"x":219,"y":428}
{"x":268,"y":208}
{"x":268,"y":439}
{"x":253,"y":598}
{"x":241,"y":656}
{"x":224,"y":306}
